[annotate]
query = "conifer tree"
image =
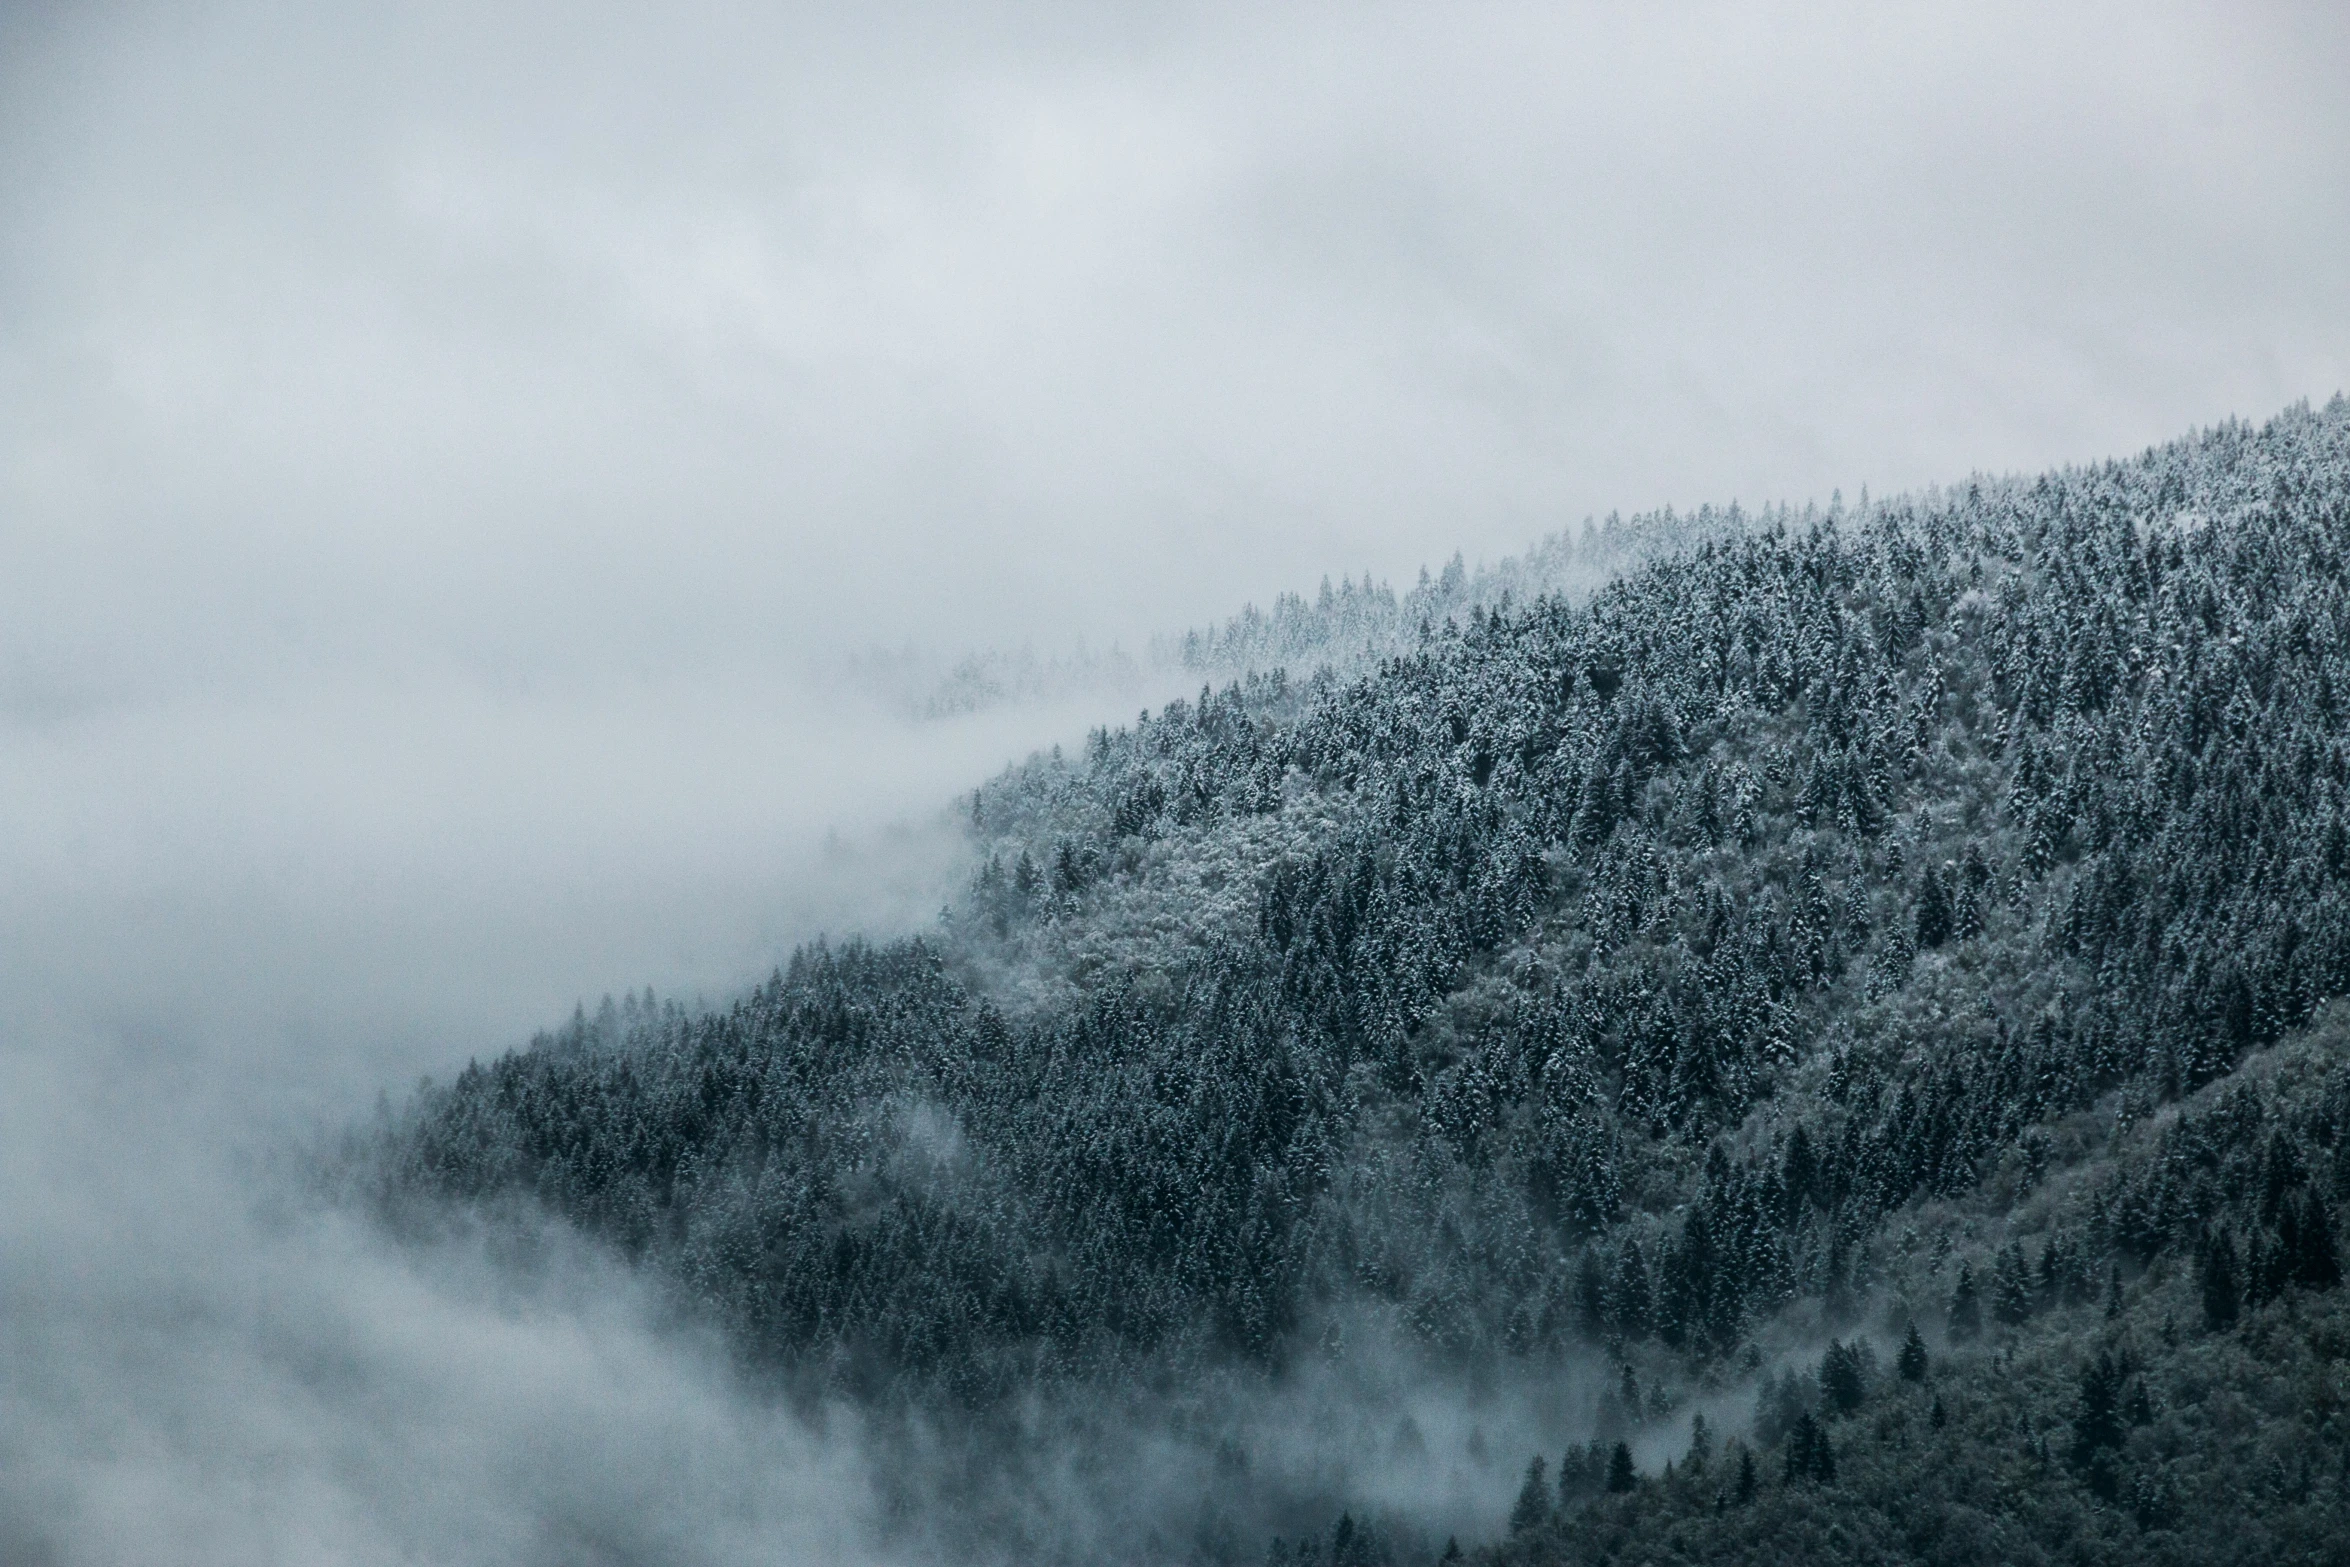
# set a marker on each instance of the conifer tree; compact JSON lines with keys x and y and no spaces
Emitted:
{"x":2315,"y":1264}
{"x":1912,"y":1362}
{"x":1966,"y":1307}
{"x":2011,"y":1295}
{"x":1840,"y":1377}
{"x":1933,"y":918}
{"x":1628,"y":1292}
{"x":1533,"y":1505}
{"x":2097,"y":1422}
{"x":1809,"y":1454}
{"x":2218,"y":1281}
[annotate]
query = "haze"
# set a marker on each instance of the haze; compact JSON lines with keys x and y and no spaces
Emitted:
{"x":445,"y":457}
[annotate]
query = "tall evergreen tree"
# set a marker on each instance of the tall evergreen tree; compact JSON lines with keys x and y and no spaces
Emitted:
{"x":2011,"y":1287}
{"x":2316,"y":1265}
{"x":1966,"y":1307}
{"x":1841,"y":1379}
{"x":2098,"y":1421}
{"x":2219,"y":1281}
{"x":1532,"y":1509}
{"x":1934,"y":912}
{"x":1912,"y":1362}
{"x":1809,"y":1453}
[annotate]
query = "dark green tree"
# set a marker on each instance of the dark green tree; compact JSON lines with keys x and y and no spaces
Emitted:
{"x":2011,"y":1286}
{"x":2219,"y":1281}
{"x":1912,"y":1361}
{"x":1809,"y":1454}
{"x":1966,"y":1307}
{"x":1842,"y":1382}
{"x":2097,"y":1422}
{"x":1799,"y":1171}
{"x":1532,"y":1509}
{"x":1628,"y":1292}
{"x":2315,"y":1264}
{"x":1934,"y":913}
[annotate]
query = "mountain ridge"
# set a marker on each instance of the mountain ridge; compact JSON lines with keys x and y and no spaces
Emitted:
{"x":1664,"y":980}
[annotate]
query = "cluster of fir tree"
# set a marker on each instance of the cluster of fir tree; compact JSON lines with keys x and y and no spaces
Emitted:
{"x":2178,"y":1414}
{"x":2092,"y":1435}
{"x":1342,"y":630}
{"x":1632,"y":968}
{"x":1355,"y":624}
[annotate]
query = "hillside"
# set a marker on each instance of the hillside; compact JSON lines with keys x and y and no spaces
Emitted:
{"x":1920,"y":913}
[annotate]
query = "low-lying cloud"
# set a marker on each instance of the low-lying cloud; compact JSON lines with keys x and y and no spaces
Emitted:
{"x":187,"y":1379}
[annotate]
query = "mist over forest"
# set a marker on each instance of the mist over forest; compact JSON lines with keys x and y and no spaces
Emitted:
{"x":1843,"y":1014}
{"x":1349,"y":786}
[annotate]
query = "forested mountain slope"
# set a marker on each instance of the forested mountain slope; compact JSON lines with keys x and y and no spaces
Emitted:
{"x":1858,"y":919}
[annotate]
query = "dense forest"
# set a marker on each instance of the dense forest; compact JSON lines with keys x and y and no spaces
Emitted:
{"x":1858,"y":985}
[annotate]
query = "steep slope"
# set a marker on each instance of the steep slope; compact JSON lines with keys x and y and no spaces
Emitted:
{"x":2187,"y":1408}
{"x":1742,"y":956}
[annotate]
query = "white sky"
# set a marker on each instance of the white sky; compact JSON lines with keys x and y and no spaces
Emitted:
{"x":576,"y":345}
{"x":432,"y":447}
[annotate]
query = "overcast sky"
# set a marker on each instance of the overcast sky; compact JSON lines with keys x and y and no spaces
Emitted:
{"x":436,"y":442}
{"x":571,"y":346}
